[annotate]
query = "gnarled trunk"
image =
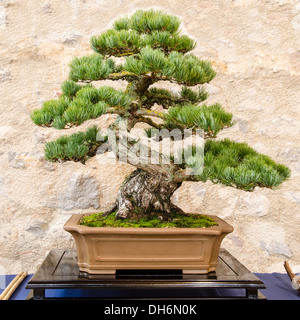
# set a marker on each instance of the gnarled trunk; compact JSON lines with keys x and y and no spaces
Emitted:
{"x":144,"y":194}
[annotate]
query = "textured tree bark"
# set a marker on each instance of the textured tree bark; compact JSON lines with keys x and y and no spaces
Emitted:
{"x":143,"y":194}
{"x":148,"y":189}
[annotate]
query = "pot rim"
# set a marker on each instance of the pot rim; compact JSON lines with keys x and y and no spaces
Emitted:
{"x":72,"y":226}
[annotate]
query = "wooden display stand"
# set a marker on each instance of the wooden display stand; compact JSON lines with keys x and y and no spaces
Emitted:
{"x":60,"y":271}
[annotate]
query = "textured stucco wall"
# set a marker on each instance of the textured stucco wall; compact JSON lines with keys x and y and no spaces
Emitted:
{"x":254,"y":46}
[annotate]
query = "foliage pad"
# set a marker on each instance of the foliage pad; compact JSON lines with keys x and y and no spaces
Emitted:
{"x":238,"y":165}
{"x":76,"y":147}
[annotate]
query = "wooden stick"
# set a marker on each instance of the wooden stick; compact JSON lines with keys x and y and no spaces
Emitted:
{"x":15,"y":285}
{"x":290,"y":273}
{"x":289,"y":270}
{"x":15,"y":279}
{"x":6,"y":294}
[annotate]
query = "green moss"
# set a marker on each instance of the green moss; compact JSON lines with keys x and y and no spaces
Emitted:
{"x":176,"y":221}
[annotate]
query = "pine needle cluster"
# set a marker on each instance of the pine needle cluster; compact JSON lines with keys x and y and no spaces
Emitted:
{"x":91,"y":68}
{"x":76,"y":147}
{"x":79,"y":103}
{"x":238,"y":165}
{"x":144,"y":28}
{"x":211,"y":119}
{"x":184,"y":69}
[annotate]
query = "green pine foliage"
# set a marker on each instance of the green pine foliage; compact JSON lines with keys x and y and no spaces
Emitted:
{"x":153,"y":50}
{"x":191,"y":158}
{"x":154,"y":20}
{"x":78,"y":104}
{"x":51,"y":109}
{"x":152,"y":45}
{"x":117,"y":43}
{"x":144,"y":28}
{"x":238,"y":165}
{"x":166,"y":98}
{"x":148,"y":60}
{"x":192,"y":96}
{"x":122,"y":24}
{"x":169,"y":42}
{"x":91,"y":68}
{"x":70,"y":88}
{"x":129,"y":42}
{"x":211,"y":119}
{"x":184,"y":69}
{"x":157,"y":30}
{"x":76,"y":147}
{"x":189,"y":70}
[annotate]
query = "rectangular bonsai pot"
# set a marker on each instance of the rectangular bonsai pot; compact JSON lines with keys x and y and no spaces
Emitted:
{"x":105,"y":250}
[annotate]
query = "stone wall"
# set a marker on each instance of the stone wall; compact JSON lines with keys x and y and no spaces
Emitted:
{"x":254,"y":47}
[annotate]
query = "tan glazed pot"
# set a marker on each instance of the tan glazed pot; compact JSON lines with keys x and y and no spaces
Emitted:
{"x":105,"y":250}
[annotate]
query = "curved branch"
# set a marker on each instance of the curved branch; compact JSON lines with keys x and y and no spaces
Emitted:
{"x":120,"y":75}
{"x":115,"y":110}
{"x":124,"y":148}
{"x":112,"y":76}
{"x":150,"y":122}
{"x":151,"y":113}
{"x":184,"y":175}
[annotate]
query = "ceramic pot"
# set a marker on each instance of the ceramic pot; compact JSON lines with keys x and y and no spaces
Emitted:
{"x":105,"y":250}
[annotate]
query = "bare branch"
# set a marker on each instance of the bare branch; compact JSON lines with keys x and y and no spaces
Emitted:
{"x":150,"y":122}
{"x":151,"y":113}
{"x":120,"y":75}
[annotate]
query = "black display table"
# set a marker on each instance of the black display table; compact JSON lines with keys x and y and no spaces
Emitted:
{"x":60,"y":271}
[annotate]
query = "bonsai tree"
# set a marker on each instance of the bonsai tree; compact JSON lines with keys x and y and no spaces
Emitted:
{"x":143,"y":49}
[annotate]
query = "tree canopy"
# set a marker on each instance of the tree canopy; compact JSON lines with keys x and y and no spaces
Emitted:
{"x":143,"y":49}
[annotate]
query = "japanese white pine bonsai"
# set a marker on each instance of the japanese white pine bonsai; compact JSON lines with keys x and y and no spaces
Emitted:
{"x":143,"y":49}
